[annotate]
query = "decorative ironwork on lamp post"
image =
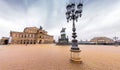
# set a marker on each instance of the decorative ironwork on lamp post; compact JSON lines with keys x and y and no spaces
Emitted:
{"x":73,"y":13}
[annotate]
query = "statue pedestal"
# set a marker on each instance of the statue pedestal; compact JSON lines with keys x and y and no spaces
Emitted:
{"x":75,"y":56}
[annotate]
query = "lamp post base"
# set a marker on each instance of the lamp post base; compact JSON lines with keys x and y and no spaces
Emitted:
{"x":75,"y":56}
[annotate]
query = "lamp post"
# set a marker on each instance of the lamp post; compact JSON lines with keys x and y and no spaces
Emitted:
{"x":73,"y":13}
{"x":115,"y":40}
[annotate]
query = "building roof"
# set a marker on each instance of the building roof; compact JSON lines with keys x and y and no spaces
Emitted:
{"x":106,"y":39}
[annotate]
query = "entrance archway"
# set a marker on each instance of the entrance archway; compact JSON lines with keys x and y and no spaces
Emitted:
{"x":40,"y":41}
{"x":6,"y":42}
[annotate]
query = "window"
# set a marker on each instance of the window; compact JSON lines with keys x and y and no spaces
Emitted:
{"x":41,"y":32}
{"x":25,"y":36}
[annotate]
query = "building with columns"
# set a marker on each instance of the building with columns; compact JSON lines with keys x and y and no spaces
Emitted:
{"x":102,"y":40}
{"x":31,"y":35}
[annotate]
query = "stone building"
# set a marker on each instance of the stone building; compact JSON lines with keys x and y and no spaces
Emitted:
{"x":4,"y":41}
{"x":102,"y":40}
{"x":31,"y":35}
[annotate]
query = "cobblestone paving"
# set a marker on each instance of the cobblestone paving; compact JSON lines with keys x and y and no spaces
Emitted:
{"x":52,"y":57}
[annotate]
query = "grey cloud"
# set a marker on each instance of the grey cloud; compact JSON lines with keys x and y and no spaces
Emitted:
{"x":97,"y":19}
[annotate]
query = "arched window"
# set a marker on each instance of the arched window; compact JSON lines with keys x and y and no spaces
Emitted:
{"x":25,"y":36}
{"x":34,"y":42}
{"x":24,"y":42}
{"x":22,"y":35}
{"x":40,"y":36}
{"x":41,"y":32}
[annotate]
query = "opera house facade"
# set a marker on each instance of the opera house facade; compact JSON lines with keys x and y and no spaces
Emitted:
{"x":30,"y":35}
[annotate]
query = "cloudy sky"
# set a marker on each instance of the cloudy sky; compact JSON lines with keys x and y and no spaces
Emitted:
{"x":100,"y":17}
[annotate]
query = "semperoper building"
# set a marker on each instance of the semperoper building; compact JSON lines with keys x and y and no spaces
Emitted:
{"x":31,"y":35}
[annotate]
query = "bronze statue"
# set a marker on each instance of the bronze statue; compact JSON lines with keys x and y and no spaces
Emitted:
{"x":63,"y":30}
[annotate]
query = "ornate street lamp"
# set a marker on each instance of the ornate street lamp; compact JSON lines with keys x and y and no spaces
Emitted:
{"x":73,"y":13}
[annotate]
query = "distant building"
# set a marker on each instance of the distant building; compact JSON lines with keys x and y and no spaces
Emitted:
{"x":31,"y":35}
{"x":86,"y":42}
{"x":102,"y":40}
{"x":4,"y":41}
{"x":63,"y":40}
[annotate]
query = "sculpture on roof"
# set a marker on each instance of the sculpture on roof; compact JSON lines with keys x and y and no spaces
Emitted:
{"x":41,"y":27}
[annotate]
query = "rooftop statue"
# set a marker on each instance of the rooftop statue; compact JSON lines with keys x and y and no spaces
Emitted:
{"x":41,"y":28}
{"x":63,"y":30}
